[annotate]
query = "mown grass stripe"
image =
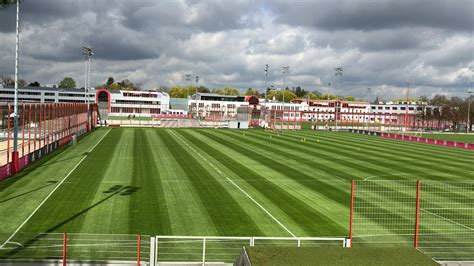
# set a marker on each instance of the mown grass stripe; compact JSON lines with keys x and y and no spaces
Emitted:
{"x":437,"y":153}
{"x":148,"y":210}
{"x":227,"y":214}
{"x":309,"y":219}
{"x":398,"y":162}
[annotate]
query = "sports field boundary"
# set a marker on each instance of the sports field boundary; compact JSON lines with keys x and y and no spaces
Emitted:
{"x":235,"y":185}
{"x":52,"y":192}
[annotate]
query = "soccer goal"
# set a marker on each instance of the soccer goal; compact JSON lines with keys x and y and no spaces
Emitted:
{"x":285,"y":120}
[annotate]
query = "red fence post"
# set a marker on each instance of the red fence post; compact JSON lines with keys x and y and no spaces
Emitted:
{"x":23,"y":131}
{"x":64,"y":248}
{"x":29,"y":130}
{"x":417,"y":221}
{"x":138,"y":249}
{"x":352,"y":213}
{"x":36,"y":126}
{"x":8,"y":137}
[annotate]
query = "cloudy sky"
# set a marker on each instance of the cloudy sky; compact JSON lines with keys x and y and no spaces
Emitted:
{"x":379,"y":44}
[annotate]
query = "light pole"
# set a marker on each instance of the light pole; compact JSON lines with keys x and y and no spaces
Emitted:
{"x":469,"y":112}
{"x":406,"y":107}
{"x":15,"y":104}
{"x":284,"y":71}
{"x":266,"y":88}
{"x":369,"y":90}
{"x":87,"y":52}
{"x":338,"y":73}
{"x":197,"y":102}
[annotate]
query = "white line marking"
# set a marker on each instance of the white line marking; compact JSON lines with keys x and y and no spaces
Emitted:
{"x":51,"y":193}
{"x":233,"y":183}
{"x":449,"y":220}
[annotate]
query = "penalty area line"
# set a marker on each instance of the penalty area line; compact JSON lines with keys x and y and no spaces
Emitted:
{"x":234,"y":184}
{"x":51,"y":193}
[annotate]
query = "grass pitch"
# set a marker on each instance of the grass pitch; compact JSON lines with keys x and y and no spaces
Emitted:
{"x":210,"y":182}
{"x":337,"y":256}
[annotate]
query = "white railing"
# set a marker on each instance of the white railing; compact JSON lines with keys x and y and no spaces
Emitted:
{"x":208,"y":249}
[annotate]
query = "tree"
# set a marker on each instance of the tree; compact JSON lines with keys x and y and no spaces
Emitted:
{"x":67,"y":83}
{"x":349,"y":98}
{"x":110,"y":81}
{"x":7,"y":81}
{"x":34,"y":84}
{"x":251,"y":91}
{"x":278,"y":95}
{"x":22,"y":82}
{"x":6,"y":3}
{"x":227,"y":91}
{"x":178,"y":92}
{"x":423,"y":98}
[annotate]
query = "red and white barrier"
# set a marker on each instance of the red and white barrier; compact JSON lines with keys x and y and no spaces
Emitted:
{"x":446,"y":143}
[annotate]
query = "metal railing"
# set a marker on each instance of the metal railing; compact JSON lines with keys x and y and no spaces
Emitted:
{"x":212,"y":249}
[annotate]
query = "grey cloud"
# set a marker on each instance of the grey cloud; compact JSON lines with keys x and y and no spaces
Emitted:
{"x":373,"y":15}
{"x":380,"y":44}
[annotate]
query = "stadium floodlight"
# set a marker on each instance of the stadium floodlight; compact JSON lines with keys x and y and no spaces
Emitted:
{"x":15,"y":104}
{"x":284,"y":71}
{"x":468,"y":126}
{"x":406,"y":108}
{"x":337,"y":74}
{"x":87,"y":52}
{"x":196,"y":98}
{"x":266,"y":88}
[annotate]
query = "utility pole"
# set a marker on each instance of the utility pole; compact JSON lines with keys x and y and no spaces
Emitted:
{"x":284,"y":71}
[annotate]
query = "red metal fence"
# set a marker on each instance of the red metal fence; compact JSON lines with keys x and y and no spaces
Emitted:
{"x":42,"y":128}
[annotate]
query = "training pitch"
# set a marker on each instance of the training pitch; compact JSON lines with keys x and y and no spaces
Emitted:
{"x":211,"y":182}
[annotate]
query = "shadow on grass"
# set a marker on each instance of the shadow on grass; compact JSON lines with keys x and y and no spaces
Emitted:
{"x":49,"y":183}
{"x":112,"y":191}
{"x":31,"y":167}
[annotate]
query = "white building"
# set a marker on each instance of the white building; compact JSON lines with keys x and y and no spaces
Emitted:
{"x":137,"y":103}
{"x":214,"y":105}
{"x":45,"y":95}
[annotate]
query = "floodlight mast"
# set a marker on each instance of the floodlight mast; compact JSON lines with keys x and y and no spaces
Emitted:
{"x":15,"y":104}
{"x":266,"y":88}
{"x":284,"y":71}
{"x":468,"y":126}
{"x":406,"y":107}
{"x":338,"y":73}
{"x":197,"y":102}
{"x":87,"y":52}
{"x":369,"y":90}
